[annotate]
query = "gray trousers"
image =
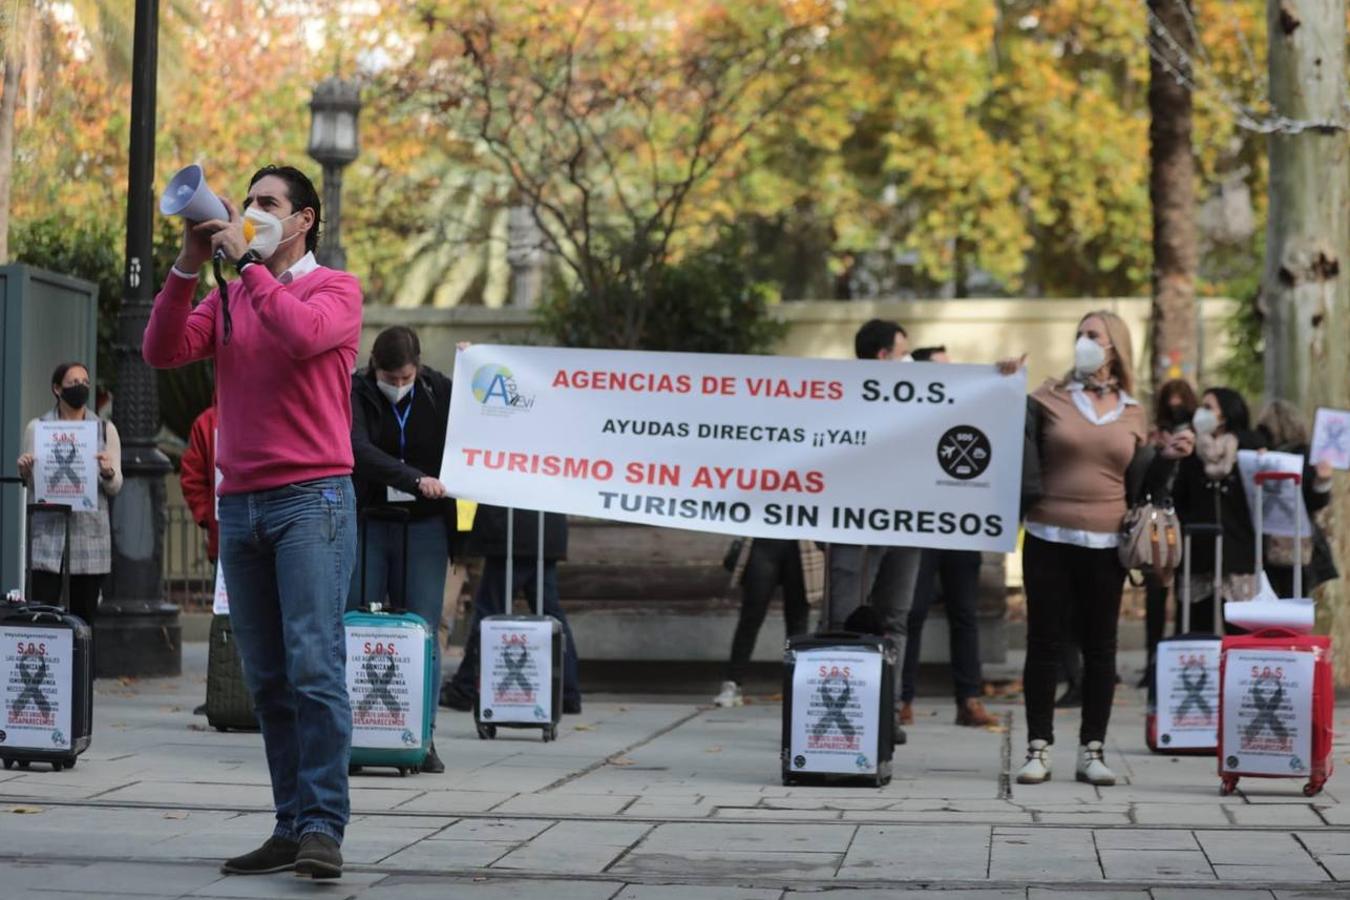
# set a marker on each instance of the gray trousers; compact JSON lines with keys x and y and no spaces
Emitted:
{"x":887,"y":584}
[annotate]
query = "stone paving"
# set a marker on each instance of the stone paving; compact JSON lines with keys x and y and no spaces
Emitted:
{"x":648,"y":800}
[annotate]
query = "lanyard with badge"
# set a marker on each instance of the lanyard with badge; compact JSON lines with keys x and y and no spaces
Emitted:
{"x":401,"y":419}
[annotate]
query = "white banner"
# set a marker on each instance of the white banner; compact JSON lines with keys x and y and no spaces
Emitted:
{"x":1282,"y":501}
{"x":516,"y":670}
{"x":903,"y":454}
{"x":1267,"y":711}
{"x":1187,"y":678}
{"x":36,"y":676}
{"x":836,"y":701}
{"x":386,"y":675}
{"x":1331,"y":438}
{"x":65,"y":467}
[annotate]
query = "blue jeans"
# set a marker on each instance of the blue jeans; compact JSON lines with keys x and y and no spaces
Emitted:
{"x":288,"y":557}
{"x":490,"y":600}
{"x":419,"y":590}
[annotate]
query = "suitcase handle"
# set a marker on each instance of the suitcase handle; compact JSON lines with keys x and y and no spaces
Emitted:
{"x":511,"y":565}
{"x":1276,"y":632}
{"x":1260,"y":479}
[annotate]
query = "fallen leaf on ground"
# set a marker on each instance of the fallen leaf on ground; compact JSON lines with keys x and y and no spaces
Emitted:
{"x":176,"y":815}
{"x":713,"y":750}
{"x":24,"y":810}
{"x":621,"y":761}
{"x":583,"y":727}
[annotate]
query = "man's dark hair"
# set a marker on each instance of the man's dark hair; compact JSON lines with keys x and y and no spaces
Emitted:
{"x":875,"y":336}
{"x":300,"y":191}
{"x":924,"y":354}
{"x":59,"y":375}
{"x":395,"y":347}
{"x":1236,"y":416}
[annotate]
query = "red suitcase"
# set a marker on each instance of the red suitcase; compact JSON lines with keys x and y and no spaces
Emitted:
{"x":1278,"y":696}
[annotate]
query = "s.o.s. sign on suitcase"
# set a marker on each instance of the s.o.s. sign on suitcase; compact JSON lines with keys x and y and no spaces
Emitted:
{"x":520,"y":660}
{"x":835,"y":726}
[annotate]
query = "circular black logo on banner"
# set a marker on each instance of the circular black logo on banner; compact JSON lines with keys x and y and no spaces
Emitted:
{"x":486,"y":714}
{"x":799,"y":761}
{"x":964,"y":452}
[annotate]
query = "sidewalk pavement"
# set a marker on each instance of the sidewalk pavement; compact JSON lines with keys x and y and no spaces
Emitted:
{"x":647,"y":800}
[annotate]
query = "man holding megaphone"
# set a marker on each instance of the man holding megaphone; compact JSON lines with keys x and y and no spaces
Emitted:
{"x":284,"y":339}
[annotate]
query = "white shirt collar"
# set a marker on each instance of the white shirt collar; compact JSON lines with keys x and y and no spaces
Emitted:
{"x":1080,"y":400}
{"x":302,"y":267}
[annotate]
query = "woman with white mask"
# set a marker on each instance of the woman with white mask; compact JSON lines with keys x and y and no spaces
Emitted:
{"x":1208,"y":491}
{"x":399,"y":413}
{"x":1091,"y":439}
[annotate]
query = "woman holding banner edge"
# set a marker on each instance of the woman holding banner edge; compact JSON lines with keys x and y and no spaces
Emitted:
{"x":1091,"y":439}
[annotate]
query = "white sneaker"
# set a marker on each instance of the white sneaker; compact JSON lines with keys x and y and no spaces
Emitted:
{"x":1036,"y":770}
{"x":730,"y":696}
{"x":1091,"y":768}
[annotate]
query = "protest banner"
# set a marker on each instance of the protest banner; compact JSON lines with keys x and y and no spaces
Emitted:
{"x":1267,"y":711}
{"x":385,"y":681}
{"x":1282,"y":501}
{"x":65,"y":467}
{"x":1331,"y":438}
{"x":1188,"y":693}
{"x":861,"y":451}
{"x":516,"y":670}
{"x":835,"y":702}
{"x":35,"y":676}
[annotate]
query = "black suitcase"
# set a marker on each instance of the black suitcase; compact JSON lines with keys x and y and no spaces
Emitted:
{"x":229,"y":705}
{"x":46,"y":671}
{"x":833,"y":683}
{"x":511,"y":664}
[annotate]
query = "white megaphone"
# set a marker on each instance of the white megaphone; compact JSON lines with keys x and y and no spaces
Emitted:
{"x":188,"y":196}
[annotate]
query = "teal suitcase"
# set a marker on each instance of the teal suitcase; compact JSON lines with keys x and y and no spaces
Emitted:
{"x":390,"y":681}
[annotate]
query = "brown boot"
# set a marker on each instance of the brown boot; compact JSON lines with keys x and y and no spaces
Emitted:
{"x":972,"y":714}
{"x":906,"y":713}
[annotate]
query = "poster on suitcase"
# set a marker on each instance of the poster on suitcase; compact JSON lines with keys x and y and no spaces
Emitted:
{"x":836,"y":700}
{"x":1188,"y":694}
{"x":65,"y":464}
{"x":516,"y":672}
{"x":1267,"y":712}
{"x":386,"y":671}
{"x":37,"y":677}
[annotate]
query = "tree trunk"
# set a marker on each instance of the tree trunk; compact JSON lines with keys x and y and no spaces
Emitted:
{"x":1171,"y":189}
{"x":1306,"y":298}
{"x":9,"y":105}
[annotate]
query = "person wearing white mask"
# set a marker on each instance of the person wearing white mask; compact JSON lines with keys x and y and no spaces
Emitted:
{"x":399,"y":412}
{"x":1090,"y":437}
{"x":1208,"y":491}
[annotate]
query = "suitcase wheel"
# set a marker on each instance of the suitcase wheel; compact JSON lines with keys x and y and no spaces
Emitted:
{"x":487,"y":732}
{"x":24,"y":764}
{"x":222,"y":729}
{"x":69,"y":764}
{"x":402,"y":771}
{"x":1312,"y":789}
{"x":550,"y":733}
{"x":9,"y":764}
{"x":1228,"y":785}
{"x":57,"y":765}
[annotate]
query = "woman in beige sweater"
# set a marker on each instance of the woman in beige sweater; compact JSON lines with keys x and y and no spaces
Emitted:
{"x":1091,"y":436}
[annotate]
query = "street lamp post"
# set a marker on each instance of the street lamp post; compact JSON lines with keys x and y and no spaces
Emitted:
{"x":138,"y":633}
{"x":333,"y":143}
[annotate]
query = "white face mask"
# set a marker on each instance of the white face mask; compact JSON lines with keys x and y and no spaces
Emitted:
{"x":394,"y":393}
{"x":1205,"y":421}
{"x":267,"y":230}
{"x":1088,"y":357}
{"x":908,"y":357}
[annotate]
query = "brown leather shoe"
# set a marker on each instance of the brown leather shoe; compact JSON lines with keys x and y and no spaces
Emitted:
{"x":906,"y":713}
{"x":972,"y":714}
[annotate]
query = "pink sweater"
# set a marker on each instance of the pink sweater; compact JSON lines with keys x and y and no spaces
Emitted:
{"x":284,"y":380}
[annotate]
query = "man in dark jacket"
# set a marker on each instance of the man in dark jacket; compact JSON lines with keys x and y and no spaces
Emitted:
{"x":488,"y":539}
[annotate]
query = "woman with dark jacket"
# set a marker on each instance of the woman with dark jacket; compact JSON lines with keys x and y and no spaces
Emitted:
{"x":1283,"y":429}
{"x":1208,"y":491}
{"x":399,"y":413}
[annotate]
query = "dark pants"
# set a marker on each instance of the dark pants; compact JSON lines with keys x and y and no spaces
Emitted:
{"x":959,"y":573}
{"x":772,"y":562}
{"x":490,"y":600}
{"x":1061,"y":578}
{"x":83,"y":593}
{"x":1155,"y":614}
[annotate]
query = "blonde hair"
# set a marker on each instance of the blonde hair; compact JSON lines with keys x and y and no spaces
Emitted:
{"x":1122,"y":364}
{"x":1285,"y":424}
